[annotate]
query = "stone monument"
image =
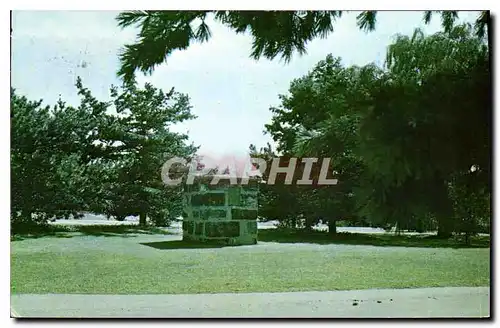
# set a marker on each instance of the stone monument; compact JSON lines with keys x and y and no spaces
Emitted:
{"x":222,"y":211}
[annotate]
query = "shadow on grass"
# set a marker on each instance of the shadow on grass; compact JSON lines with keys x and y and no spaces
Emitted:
{"x":322,"y":237}
{"x":18,"y":237}
{"x":62,"y":231}
{"x":125,"y":231}
{"x":182,"y":244}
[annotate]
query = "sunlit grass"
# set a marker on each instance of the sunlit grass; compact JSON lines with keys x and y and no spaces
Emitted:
{"x":116,"y":265}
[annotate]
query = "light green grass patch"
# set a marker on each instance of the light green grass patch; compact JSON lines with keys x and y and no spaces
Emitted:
{"x":116,"y":265}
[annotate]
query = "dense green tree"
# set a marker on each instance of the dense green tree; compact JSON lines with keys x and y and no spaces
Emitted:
{"x":67,"y":160}
{"x":271,"y":199}
{"x":279,"y":201}
{"x":402,"y":133}
{"x":471,"y":203}
{"x":430,"y":119}
{"x":320,"y":118}
{"x":140,"y":138}
{"x":30,"y":166}
{"x":52,"y":152}
{"x":274,"y":33}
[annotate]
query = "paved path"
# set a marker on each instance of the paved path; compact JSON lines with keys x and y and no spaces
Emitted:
{"x":383,"y":303}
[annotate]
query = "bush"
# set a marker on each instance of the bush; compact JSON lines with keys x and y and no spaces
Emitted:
{"x":160,"y":218}
{"x":25,"y":225}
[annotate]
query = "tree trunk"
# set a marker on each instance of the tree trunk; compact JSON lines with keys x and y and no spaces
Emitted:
{"x":444,"y":228}
{"x":142,"y":219}
{"x":467,"y":238}
{"x":26,"y":215}
{"x":332,"y":227}
{"x":308,"y":223}
{"x":397,"y":229}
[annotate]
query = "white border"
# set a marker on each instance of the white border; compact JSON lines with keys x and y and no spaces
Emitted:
{"x":200,"y":4}
{"x":253,"y":5}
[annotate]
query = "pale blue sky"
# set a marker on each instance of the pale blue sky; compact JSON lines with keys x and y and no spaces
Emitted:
{"x":230,"y":93}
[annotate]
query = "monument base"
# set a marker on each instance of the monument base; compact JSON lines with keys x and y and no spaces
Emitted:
{"x":232,"y":232}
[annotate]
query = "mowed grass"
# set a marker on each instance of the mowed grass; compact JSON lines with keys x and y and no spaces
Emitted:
{"x":148,"y":265}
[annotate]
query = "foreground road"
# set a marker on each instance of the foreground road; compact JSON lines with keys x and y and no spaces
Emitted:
{"x":383,"y":303}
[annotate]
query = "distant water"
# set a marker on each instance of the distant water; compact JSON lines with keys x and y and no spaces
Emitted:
{"x":272,"y":225}
{"x":91,"y":219}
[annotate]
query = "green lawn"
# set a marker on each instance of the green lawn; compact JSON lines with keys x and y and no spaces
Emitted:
{"x":148,"y":264}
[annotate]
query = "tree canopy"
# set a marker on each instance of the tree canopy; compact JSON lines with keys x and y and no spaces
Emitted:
{"x":67,"y":160}
{"x":274,"y":33}
{"x":403,"y":138}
